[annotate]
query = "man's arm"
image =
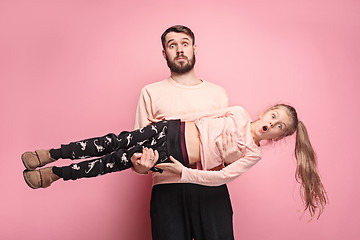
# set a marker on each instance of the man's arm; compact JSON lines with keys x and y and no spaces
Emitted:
{"x":142,"y":162}
{"x":143,"y":110}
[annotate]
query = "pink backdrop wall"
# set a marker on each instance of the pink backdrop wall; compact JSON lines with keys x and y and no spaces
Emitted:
{"x":74,"y":69}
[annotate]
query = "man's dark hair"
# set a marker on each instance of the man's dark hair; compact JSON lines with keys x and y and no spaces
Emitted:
{"x":178,"y":29}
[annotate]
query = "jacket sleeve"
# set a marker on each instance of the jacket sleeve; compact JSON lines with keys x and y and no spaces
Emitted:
{"x":225,"y":175}
{"x":143,"y":110}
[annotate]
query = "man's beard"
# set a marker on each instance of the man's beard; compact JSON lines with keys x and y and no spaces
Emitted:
{"x":182,"y":67}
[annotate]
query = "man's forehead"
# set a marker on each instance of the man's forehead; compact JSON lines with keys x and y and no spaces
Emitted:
{"x":174,"y":36}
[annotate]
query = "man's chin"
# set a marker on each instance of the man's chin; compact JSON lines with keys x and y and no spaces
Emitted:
{"x":181,"y":67}
{"x":181,"y":70}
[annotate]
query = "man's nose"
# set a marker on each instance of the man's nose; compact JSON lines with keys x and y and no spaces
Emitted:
{"x":180,"y":50}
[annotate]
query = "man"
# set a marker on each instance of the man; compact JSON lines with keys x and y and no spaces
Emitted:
{"x":182,"y":211}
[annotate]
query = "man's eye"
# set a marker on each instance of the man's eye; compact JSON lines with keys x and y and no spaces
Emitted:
{"x":186,"y":44}
{"x":273,"y":115}
{"x":280,"y":126}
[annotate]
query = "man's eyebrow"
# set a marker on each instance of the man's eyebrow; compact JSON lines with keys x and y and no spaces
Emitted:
{"x":185,"y":38}
{"x":169,"y":41}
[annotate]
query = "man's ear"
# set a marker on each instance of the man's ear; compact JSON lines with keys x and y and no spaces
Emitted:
{"x":164,"y":53}
{"x":195,"y":49}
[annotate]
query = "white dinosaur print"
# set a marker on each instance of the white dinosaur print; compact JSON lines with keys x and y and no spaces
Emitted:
{"x":78,"y":157}
{"x":129,"y":137}
{"x":162,"y":133}
{"x":82,"y":144}
{"x":154,"y":128}
{"x":141,"y":143}
{"x":98,"y":147}
{"x":75,"y":167}
{"x":131,"y":147}
{"x":108,"y":140}
{"x":91,"y":166}
{"x":124,"y":160}
{"x":110,"y":165}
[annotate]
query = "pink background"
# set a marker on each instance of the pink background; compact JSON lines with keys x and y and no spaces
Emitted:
{"x":73,"y":69}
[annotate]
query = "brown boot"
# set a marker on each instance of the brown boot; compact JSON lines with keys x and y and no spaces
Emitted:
{"x":41,"y":178}
{"x":39,"y":158}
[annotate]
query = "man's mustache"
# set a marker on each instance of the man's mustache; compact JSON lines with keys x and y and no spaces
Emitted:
{"x":180,"y":56}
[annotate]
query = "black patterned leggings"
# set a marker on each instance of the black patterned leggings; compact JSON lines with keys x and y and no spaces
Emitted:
{"x":115,"y":151}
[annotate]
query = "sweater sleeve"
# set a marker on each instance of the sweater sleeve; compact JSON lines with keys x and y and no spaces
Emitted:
{"x":222,"y":112}
{"x":143,"y":110}
{"x":225,"y":175}
{"x":224,"y":100}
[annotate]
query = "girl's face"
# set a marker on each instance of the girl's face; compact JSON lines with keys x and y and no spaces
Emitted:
{"x":272,"y":124}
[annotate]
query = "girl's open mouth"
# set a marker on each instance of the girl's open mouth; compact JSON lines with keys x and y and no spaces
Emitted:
{"x":265,"y":128}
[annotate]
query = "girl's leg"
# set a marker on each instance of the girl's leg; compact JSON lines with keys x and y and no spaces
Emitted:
{"x":125,"y":145}
{"x":92,"y":147}
{"x":128,"y":143}
{"x":100,"y":146}
{"x":113,"y":162}
{"x":44,"y":177}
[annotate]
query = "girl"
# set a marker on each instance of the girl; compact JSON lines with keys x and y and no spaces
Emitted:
{"x":188,"y":142}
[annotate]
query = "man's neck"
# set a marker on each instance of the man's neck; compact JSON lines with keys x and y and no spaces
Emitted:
{"x":188,"y":79}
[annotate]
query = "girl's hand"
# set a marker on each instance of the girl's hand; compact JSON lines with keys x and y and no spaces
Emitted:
{"x":229,"y":149}
{"x":175,"y":167}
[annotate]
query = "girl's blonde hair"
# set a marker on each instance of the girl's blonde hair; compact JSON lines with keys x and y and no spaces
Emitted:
{"x":312,"y":190}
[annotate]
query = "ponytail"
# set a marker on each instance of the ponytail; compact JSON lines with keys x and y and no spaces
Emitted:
{"x":312,"y":190}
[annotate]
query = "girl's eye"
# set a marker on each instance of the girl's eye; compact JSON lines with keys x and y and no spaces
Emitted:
{"x":280,"y":126}
{"x":273,"y":115}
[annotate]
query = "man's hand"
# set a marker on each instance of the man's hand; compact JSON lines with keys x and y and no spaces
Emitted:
{"x":143,"y":162}
{"x":229,"y":150}
{"x":175,"y":167}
